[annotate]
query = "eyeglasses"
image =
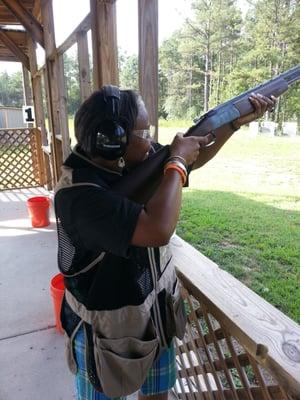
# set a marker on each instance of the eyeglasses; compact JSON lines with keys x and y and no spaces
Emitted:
{"x":145,"y":133}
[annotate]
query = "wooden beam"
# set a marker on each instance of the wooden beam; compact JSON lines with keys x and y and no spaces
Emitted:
{"x":84,"y":26}
{"x":63,"y":110}
{"x":8,"y":58}
{"x":18,"y":36}
{"x":4,"y":51}
{"x":33,"y":27}
{"x":84,"y":65}
{"x":36,"y":83}
{"x":148,"y":57}
{"x":36,"y":11}
{"x":104,"y":38}
{"x":11,"y":45}
{"x":28,"y":101}
{"x":40,"y":158}
{"x":52,"y":85}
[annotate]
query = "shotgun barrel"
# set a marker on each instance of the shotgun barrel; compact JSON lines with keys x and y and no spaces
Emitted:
{"x":140,"y":183}
{"x":240,"y":105}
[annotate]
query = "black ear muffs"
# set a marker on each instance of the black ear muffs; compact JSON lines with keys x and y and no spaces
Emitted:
{"x":110,"y":139}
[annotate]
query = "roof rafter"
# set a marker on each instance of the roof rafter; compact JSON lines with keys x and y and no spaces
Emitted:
{"x":33,"y":27}
{"x":14,"y":48}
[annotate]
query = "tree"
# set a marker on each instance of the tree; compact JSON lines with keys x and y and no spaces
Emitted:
{"x":128,"y":65}
{"x":129,"y":74}
{"x":11,"y":89}
{"x":271,"y":30}
{"x":71,"y":73}
{"x":197,"y":57}
{"x":172,"y":64}
{"x":215,"y":31}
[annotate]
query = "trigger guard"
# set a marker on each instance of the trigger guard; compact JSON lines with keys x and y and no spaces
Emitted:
{"x":214,"y":139}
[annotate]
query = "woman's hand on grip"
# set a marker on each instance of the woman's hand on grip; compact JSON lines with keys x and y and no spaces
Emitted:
{"x":188,"y":147}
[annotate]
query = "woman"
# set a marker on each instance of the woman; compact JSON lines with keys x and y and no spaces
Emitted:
{"x":122,"y":306}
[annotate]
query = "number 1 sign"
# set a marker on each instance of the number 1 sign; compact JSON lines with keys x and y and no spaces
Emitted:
{"x":28,"y":114}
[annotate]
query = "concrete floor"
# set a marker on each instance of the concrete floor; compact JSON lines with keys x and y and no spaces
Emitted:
{"x":32,"y":360}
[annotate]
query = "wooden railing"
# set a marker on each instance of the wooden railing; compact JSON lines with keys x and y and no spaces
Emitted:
{"x":237,"y":345}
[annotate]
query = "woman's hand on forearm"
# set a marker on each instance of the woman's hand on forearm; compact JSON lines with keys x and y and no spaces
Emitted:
{"x":261,"y":105}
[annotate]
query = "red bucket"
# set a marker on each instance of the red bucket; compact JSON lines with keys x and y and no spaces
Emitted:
{"x":57,"y":289}
{"x":38,"y":208}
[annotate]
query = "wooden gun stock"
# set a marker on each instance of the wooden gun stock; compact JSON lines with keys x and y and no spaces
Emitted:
{"x":140,"y":183}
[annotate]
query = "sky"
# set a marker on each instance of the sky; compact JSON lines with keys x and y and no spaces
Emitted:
{"x":69,"y":13}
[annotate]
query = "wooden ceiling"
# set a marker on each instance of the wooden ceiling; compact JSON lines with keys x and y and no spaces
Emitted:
{"x":13,"y":39}
{"x":7,"y":17}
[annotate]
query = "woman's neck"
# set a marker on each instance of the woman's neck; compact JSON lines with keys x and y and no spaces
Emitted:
{"x":108,"y":164}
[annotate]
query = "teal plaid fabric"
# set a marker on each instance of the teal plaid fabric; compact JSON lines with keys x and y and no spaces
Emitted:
{"x":160,"y":378}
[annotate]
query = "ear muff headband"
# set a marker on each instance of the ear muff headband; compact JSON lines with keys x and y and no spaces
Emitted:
{"x":110,"y":140}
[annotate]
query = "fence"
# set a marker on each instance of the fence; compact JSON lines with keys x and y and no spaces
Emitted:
{"x":11,"y":117}
{"x":21,"y":159}
{"x":237,"y":345}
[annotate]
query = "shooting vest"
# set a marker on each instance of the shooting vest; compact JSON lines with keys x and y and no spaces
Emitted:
{"x":121,"y":343}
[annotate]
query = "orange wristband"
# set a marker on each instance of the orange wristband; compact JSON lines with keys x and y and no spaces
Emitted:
{"x":178,"y":169}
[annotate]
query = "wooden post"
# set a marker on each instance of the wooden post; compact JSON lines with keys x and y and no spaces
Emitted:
{"x":36,"y":82}
{"x":40,"y":158}
{"x":84,"y":65}
{"x":37,"y":91}
{"x":104,"y":38}
{"x":27,"y":93}
{"x":54,"y":148}
{"x":52,"y":72}
{"x":63,"y":108}
{"x":48,"y":106}
{"x":148,"y":58}
{"x":6,"y":118}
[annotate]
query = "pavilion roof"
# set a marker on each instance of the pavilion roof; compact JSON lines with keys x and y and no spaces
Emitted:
{"x":16,"y":19}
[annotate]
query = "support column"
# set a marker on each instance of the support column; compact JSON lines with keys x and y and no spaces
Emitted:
{"x":84,"y":65}
{"x":148,"y":58}
{"x":63,"y":106}
{"x":36,"y":83}
{"x":104,"y":38}
{"x":41,"y":133}
{"x":27,"y":93}
{"x":52,"y":88}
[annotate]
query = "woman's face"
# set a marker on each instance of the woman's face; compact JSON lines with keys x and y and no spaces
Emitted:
{"x":138,"y":147}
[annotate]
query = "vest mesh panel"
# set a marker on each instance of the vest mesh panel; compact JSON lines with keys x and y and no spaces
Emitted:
{"x":145,"y":283}
{"x":66,"y":250}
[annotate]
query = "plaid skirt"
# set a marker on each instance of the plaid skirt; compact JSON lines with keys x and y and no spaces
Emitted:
{"x":161,"y":376}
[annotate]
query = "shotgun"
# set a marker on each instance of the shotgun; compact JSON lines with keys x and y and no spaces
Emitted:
{"x":141,"y":182}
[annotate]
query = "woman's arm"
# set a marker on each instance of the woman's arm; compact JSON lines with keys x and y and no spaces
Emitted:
{"x":157,"y":221}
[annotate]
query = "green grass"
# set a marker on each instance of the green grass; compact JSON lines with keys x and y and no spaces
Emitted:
{"x":174,"y":123}
{"x":242,"y":210}
{"x":257,"y":243}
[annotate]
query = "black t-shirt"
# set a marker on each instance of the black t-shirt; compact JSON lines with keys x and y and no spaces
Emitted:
{"x":102,"y":219}
{"x":96,"y":219}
